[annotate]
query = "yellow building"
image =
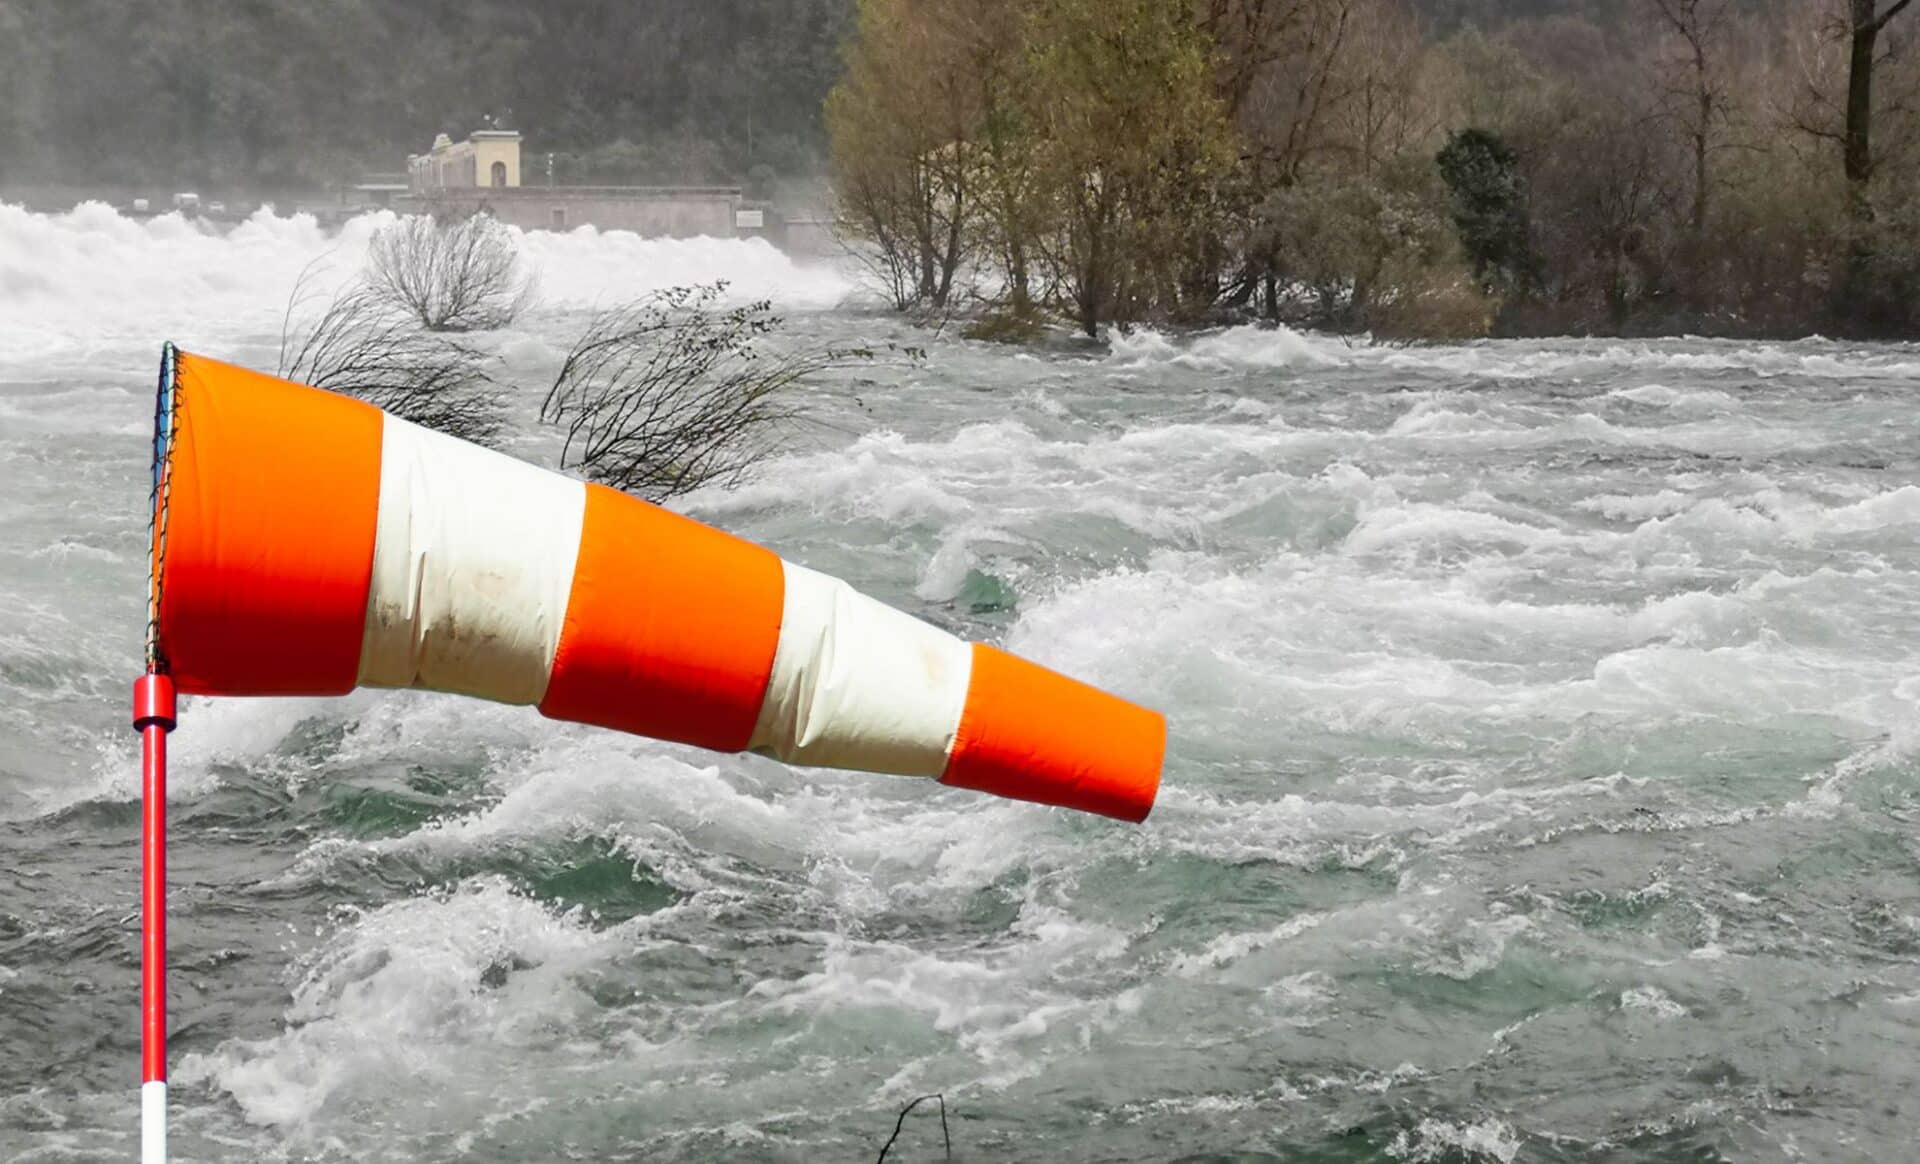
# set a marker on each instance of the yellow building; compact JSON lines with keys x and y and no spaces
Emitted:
{"x":489,"y":158}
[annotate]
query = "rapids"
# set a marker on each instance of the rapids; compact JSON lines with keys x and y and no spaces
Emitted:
{"x":1545,"y":725}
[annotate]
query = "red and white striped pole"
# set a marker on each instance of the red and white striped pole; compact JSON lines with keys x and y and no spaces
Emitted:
{"x":153,"y":718}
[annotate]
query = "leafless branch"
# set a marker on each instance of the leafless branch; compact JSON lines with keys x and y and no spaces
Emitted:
{"x":672,"y":392}
{"x":361,"y":345}
{"x":1880,"y":21}
{"x":902,"y":1122}
{"x":462,"y":275}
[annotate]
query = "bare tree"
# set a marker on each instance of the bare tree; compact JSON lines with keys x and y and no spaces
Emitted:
{"x":1386,"y":103}
{"x":1850,"y":29}
{"x":671,"y":393}
{"x":1251,"y":35}
{"x":1867,"y":19}
{"x":1699,"y":102}
{"x":452,"y":275}
{"x":902,"y":124}
{"x":1278,"y":62}
{"x":363,"y":346}
{"x":1284,"y":110}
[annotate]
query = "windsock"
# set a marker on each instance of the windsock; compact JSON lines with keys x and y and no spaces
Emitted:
{"x":307,"y":543}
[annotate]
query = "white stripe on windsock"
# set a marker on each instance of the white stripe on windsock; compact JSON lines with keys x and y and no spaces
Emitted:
{"x":858,"y":684}
{"x":473,"y":562}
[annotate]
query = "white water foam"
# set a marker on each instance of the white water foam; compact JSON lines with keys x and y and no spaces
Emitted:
{"x":1661,"y":396}
{"x":1653,"y":1001}
{"x":1435,"y":1140}
{"x":1246,"y":346}
{"x":75,"y":283}
{"x":1814,"y":359}
{"x":420,"y":992}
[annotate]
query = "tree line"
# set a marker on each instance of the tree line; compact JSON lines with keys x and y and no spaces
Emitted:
{"x":285,"y":94}
{"x":1443,"y":169}
{"x":1405,"y":166}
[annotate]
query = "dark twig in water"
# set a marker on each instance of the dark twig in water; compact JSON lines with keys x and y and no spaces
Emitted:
{"x":902,"y":1122}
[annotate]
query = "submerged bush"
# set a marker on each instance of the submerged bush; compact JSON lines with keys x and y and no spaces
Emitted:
{"x":451,"y":275}
{"x":1433,"y":304}
{"x":1008,"y":326}
{"x":1375,"y":254}
{"x":673,"y":392}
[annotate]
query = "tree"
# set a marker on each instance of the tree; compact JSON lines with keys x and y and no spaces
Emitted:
{"x":1283,"y":59}
{"x":1383,"y":104}
{"x":657,"y":398}
{"x":462,"y":275}
{"x":1590,"y":165}
{"x":1080,"y":136}
{"x":202,"y":92}
{"x":1336,"y":86}
{"x":1609,"y":228}
{"x":1135,"y":145}
{"x":1866,"y":20}
{"x":665,"y":395}
{"x":361,"y":345}
{"x":1015,"y":206}
{"x":1487,"y":200}
{"x":901,"y":125}
{"x":1699,"y":101}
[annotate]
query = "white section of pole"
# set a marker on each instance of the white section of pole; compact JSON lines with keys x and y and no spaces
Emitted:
{"x":153,"y":1122}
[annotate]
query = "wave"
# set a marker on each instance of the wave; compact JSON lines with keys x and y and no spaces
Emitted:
{"x":1254,"y":346}
{"x":1816,"y":359}
{"x":75,"y":282}
{"x":1247,"y":346}
{"x":1661,"y":396}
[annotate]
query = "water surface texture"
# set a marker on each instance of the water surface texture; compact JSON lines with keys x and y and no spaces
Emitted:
{"x":1542,"y":783}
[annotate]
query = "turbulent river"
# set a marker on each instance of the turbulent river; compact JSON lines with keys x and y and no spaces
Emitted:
{"x":1545,"y":725}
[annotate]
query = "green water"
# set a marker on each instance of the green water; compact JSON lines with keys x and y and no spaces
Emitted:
{"x":1542,"y":782}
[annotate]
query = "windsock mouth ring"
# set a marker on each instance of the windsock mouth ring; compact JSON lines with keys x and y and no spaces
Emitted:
{"x":166,"y":409}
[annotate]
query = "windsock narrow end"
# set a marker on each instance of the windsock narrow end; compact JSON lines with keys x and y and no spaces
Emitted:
{"x":1032,"y":734}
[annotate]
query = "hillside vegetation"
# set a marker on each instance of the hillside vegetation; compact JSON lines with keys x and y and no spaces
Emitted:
{"x":1439,"y":169}
{"x":274,"y":93}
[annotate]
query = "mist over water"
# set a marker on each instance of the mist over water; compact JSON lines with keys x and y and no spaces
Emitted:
{"x":1544,"y":721}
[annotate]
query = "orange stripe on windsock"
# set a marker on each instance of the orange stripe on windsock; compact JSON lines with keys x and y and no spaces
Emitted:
{"x":272,"y":501}
{"x":1033,"y":734}
{"x":670,"y":629}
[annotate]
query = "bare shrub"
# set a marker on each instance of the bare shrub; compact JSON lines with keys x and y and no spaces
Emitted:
{"x":360,"y":344}
{"x":672,"y":392}
{"x":450,"y":274}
